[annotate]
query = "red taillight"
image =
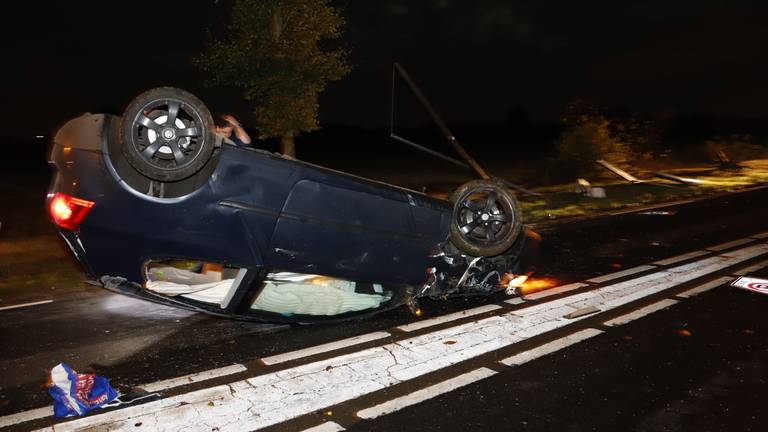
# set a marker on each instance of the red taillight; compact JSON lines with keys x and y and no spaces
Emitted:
{"x":68,"y":211}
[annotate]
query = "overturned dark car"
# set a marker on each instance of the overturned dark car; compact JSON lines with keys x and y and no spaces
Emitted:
{"x":153,"y":204}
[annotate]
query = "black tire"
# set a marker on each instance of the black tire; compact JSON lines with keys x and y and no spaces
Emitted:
{"x":486,"y":218}
{"x":175,"y":148}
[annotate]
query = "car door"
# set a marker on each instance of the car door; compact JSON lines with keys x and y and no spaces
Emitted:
{"x":341,"y":227}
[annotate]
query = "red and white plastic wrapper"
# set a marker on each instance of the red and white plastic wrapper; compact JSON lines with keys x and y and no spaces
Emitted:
{"x":752,"y":284}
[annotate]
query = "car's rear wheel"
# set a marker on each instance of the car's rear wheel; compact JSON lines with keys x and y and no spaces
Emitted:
{"x":486,"y":218}
{"x":167,"y":134}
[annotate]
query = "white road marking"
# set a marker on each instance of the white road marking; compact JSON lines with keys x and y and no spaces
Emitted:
{"x":427,"y":393}
{"x":23,"y":305}
{"x":751,"y":269}
{"x":276,"y":397}
{"x":745,"y":252}
{"x":447,"y":318}
{"x":552,"y":291}
{"x":705,"y":287}
{"x":550,"y":347}
{"x":26,"y":416}
{"x":627,"y":272}
{"x":193,"y":378}
{"x":683,"y":257}
{"x":762,"y":235}
{"x":318,"y":349}
{"x":639,"y":313}
{"x":515,"y":301}
{"x":328,"y":426}
{"x":730,"y":244}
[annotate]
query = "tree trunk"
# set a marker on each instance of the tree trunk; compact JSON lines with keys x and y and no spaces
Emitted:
{"x":287,"y":145}
{"x":276,"y":25}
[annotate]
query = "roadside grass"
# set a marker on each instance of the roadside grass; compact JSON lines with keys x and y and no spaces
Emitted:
{"x":34,"y":266}
{"x":562,"y":200}
{"x":567,"y":203}
{"x":34,"y":260}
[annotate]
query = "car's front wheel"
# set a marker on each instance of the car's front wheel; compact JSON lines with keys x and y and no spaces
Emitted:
{"x":167,"y":134}
{"x":486,"y":218}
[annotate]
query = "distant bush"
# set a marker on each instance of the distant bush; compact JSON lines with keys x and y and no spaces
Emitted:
{"x":736,"y":147}
{"x":590,"y":135}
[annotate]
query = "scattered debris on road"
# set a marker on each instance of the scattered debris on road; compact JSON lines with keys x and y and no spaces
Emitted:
{"x":77,"y":394}
{"x":588,"y":310}
{"x":751,"y":284}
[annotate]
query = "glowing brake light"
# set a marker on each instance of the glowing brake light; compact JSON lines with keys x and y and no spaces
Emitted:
{"x":67,"y":211}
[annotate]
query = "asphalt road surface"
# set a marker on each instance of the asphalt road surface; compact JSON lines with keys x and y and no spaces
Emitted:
{"x":640,"y":332}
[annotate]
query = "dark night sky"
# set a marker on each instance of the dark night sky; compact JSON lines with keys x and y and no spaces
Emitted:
{"x":475,"y":59}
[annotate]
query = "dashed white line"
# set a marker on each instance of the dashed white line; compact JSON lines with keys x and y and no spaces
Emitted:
{"x":193,"y":378}
{"x":747,"y":252}
{"x":328,"y":426}
{"x":279,"y":396}
{"x":26,"y":416}
{"x":751,"y":269}
{"x":318,"y":349}
{"x":23,"y":305}
{"x":639,"y":313}
{"x":627,"y":272}
{"x":552,"y":291}
{"x":550,"y":347}
{"x":447,"y":318}
{"x":730,"y":244}
{"x":683,"y":257}
{"x":515,"y":301}
{"x":705,"y":287}
{"x":424,"y":394}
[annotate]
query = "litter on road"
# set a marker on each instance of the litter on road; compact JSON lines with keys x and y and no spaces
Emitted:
{"x":77,"y":394}
{"x":752,"y":284}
